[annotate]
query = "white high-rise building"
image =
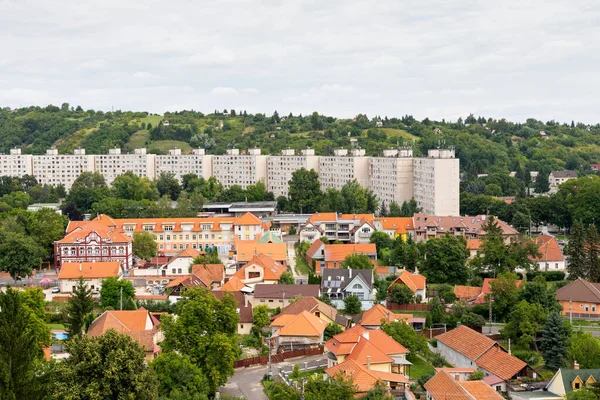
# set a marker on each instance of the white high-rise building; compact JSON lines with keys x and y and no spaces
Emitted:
{"x":337,"y":170}
{"x":115,"y":164}
{"x":15,"y":164}
{"x":437,"y":183}
{"x":280,"y":169}
{"x":391,"y":176}
{"x":178,"y":164}
{"x":61,"y":169}
{"x":234,"y":168}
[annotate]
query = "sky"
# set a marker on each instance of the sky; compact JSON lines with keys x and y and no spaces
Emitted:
{"x":428,"y":58}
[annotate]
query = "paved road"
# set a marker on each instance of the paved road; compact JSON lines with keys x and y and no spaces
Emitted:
{"x":595,"y":331}
{"x":246,"y":381}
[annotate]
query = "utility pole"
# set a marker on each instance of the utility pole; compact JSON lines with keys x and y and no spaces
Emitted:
{"x":121,"y":299}
{"x":491,"y":313}
{"x":283,"y":299}
{"x":571,"y":310}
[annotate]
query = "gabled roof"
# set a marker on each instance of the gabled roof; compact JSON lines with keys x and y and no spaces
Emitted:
{"x":548,"y":248}
{"x":247,"y":249}
{"x":272,"y":269}
{"x":466,"y":341}
{"x":188,"y":281}
{"x":303,"y":324}
{"x":339,"y":278}
{"x":270,"y":237}
{"x":467,"y":224}
{"x":266,"y":291}
{"x":312,"y":304}
{"x":89,"y":270}
{"x":414,"y":281}
{"x":473,"y":244}
{"x":188,"y":253}
{"x":487,"y":285}
{"x":467,"y":292}
{"x":564,"y":174}
{"x":132,"y":323}
{"x":579,"y":290}
{"x":374,"y":315}
{"x":244,"y":307}
{"x":248,"y":219}
{"x":81,"y":231}
{"x":569,"y":375}
{"x":442,"y":386}
{"x":500,"y":363}
{"x":366,"y":348}
{"x":338,"y":252}
{"x":380,"y":346}
{"x":314,"y":248}
{"x":234,"y":284}
{"x":399,"y":225}
{"x":334,"y":217}
{"x":209,"y":273}
{"x":363,"y":378}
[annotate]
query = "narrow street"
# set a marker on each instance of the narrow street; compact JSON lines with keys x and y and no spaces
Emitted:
{"x":291,"y":260}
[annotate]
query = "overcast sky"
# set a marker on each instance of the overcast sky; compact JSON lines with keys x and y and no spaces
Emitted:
{"x":430,"y":58}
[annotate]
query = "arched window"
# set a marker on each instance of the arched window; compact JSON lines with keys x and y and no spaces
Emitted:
{"x":357,"y":286}
{"x":105,"y":251}
{"x":96,"y":251}
{"x":89,"y":251}
{"x":66,"y":251}
{"x":81,"y":251}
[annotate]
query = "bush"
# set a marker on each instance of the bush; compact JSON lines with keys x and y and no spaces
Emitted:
{"x":437,"y":360}
{"x":550,"y":276}
{"x":528,"y":356}
{"x":424,"y":378}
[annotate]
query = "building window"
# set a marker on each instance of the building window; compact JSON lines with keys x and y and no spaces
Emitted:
{"x":168,"y":227}
{"x":253,"y":275}
{"x":148,"y":228}
{"x":262,"y":300}
{"x":173,"y":271}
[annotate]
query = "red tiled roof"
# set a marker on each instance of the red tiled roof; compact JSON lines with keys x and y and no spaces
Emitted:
{"x":467,"y":292}
{"x":89,"y":270}
{"x":131,"y":323}
{"x":548,"y":248}
{"x":234,"y":284}
{"x":272,"y":269}
{"x":500,"y":363}
{"x":414,"y":281}
{"x":248,"y":219}
{"x":466,"y":341}
{"x":399,"y":225}
{"x":467,"y":224}
{"x":246,"y":250}
{"x":303,"y":324}
{"x":313,"y":248}
{"x":374,"y":315}
{"x":338,"y":252}
{"x":443,"y":386}
{"x":209,"y":273}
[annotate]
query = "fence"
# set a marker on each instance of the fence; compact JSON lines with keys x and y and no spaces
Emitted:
{"x":277,"y":358}
{"x":407,"y":307}
{"x":431,"y":333}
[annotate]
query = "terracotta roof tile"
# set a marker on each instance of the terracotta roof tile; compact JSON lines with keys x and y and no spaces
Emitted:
{"x":473,"y":244}
{"x":374,"y":315}
{"x":399,"y":225}
{"x":467,"y":292}
{"x":246,"y":250}
{"x":441,"y":386}
{"x":480,"y":390}
{"x":500,"y":363}
{"x":311,"y":304}
{"x":548,"y":248}
{"x":413,"y":281}
{"x":303,"y":324}
{"x":209,"y":273}
{"x":466,"y":341}
{"x":248,"y":219}
{"x":338,"y":252}
{"x":468,"y":224}
{"x":189,"y":281}
{"x":363,"y":379}
{"x":234,"y":284}
{"x":313,"y":248}
{"x":272,"y":269}
{"x":89,"y":270}
{"x":132,"y":323}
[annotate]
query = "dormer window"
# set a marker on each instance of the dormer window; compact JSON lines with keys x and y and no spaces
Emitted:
{"x":148,"y":228}
{"x":168,"y":227}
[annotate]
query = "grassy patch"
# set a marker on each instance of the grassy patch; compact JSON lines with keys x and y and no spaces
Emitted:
{"x":56,"y":326}
{"x":138,"y":139}
{"x":153,"y":119}
{"x":400,"y":133}
{"x":307,"y":374}
{"x":165,"y":145}
{"x":302,"y":268}
{"x":419,"y":367}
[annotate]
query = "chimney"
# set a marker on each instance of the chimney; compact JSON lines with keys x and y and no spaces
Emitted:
{"x":575,"y":365}
{"x":245,"y":300}
{"x":388,"y":317}
{"x":369,"y":362}
{"x":80,"y":266}
{"x":509,"y":347}
{"x":350,"y":272}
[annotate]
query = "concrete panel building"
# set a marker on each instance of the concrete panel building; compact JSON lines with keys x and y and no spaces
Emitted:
{"x":178,"y":164}
{"x":234,"y":168}
{"x":391,"y":176}
{"x":61,"y":169}
{"x":437,"y":183}
{"x":280,"y":169}
{"x":114,"y":164}
{"x":15,"y":164}
{"x":337,"y":170}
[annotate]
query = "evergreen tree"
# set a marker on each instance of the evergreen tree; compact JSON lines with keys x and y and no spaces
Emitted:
{"x":542,"y":182}
{"x":383,"y":211}
{"x":593,"y":252}
{"x":80,"y":305}
{"x":576,"y":251}
{"x":436,"y":309}
{"x":555,"y":339}
{"x":395,"y":210}
{"x":405,"y":210}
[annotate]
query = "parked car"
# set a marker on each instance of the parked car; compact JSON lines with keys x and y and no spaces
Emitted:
{"x":56,"y":290}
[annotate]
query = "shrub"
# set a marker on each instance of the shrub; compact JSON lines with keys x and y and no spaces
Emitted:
{"x":528,"y":356}
{"x":424,"y":378}
{"x":437,"y":360}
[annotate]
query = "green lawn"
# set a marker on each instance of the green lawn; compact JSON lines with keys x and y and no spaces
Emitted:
{"x":165,"y":145}
{"x":302,"y":267}
{"x":56,"y":326}
{"x":419,"y":367}
{"x":153,"y":119}
{"x":138,"y":139}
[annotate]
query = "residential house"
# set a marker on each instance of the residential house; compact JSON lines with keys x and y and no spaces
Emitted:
{"x":366,"y":379}
{"x":374,"y":317}
{"x":432,"y":226}
{"x":551,"y":256}
{"x":459,"y":374}
{"x":234,"y":284}
{"x":467,"y":293}
{"x":347,"y":228}
{"x":181,"y":263}
{"x":317,"y":308}
{"x":280,"y":295}
{"x":595,"y":167}
{"x":246,"y":250}
{"x":557,"y":178}
{"x":395,"y":226}
{"x":465,"y":348}
{"x":316,"y":254}
{"x":212,"y":275}
{"x":473,"y":247}
{"x":177,"y":287}
{"x":244,"y":309}
{"x":139,"y":324}
{"x":248,"y":227}
{"x":335,"y":254}
{"x":93,"y":241}
{"x":339,"y":283}
{"x":260,"y":269}
{"x":416,"y":282}
{"x":486,"y":290}
{"x":580,"y":298}
{"x":303,"y":330}
{"x":442,"y":386}
{"x":566,"y":380}
{"x":93,"y":273}
{"x":371,"y":348}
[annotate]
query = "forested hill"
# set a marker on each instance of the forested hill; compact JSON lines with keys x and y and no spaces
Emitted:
{"x":483,"y":145}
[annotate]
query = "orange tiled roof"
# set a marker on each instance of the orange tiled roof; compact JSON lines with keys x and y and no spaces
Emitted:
{"x":338,"y":252}
{"x":413,"y":281}
{"x":89,"y":270}
{"x":272,"y":269}
{"x":189,"y":281}
{"x":364,"y":348}
{"x":83,"y":230}
{"x":325,"y":217}
{"x":466,"y":341}
{"x":500,"y":363}
{"x":487,"y":287}
{"x":380,"y":346}
{"x":375,"y":314}
{"x":548,"y":248}
{"x":248,"y":219}
{"x":234,"y":284}
{"x":303,"y":324}
{"x":364,"y":379}
{"x":480,"y":390}
{"x":246,"y":250}
{"x":131,"y":323}
{"x":473,"y":244}
{"x":443,"y":386}
{"x":467,"y":292}
{"x":209,"y":273}
{"x":310,"y":304}
{"x":188,"y":253}
{"x":313,"y":248}
{"x":386,"y":343}
{"x":399,"y":225}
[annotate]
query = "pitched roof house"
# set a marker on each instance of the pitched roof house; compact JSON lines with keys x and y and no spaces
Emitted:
{"x":244,"y":309}
{"x":580,"y":297}
{"x":433,"y":226}
{"x":551,"y":256}
{"x":139,"y":324}
{"x":467,"y":293}
{"x":234,"y":284}
{"x":465,"y":348}
{"x":347,"y":228}
{"x":280,"y":295}
{"x":395,"y":226}
{"x":180,"y":264}
{"x":246,"y":250}
{"x":416,"y":282}
{"x":260,"y":269}
{"x":566,"y":380}
{"x":319,"y":309}
{"x":365,"y":379}
{"x":557,"y":178}
{"x":335,"y":254}
{"x":486,"y":289}
{"x":339,"y":283}
{"x":297,"y":331}
{"x":442,"y":387}
{"x":212,"y":275}
{"x":371,"y":348}
{"x":372,"y":318}
{"x":93,"y":273}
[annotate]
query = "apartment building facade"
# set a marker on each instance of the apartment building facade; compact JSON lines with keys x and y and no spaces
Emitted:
{"x":61,"y":169}
{"x":234,"y":168}
{"x":114,"y":164}
{"x":280,"y":169}
{"x":337,"y":170}
{"x":179,"y":164}
{"x":15,"y":164}
{"x":391,"y":176}
{"x":437,"y":182}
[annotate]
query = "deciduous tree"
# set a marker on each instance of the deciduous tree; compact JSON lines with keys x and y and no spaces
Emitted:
{"x":357,"y":261}
{"x":179,"y":378}
{"x":445,"y":260}
{"x":404,"y":334}
{"x":19,"y":254}
{"x":585,"y":349}
{"x":304,"y":191}
{"x":352,"y":305}
{"x":401,"y":294}
{"x":110,"y":294}
{"x":287,"y":278}
{"x":144,"y":245}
